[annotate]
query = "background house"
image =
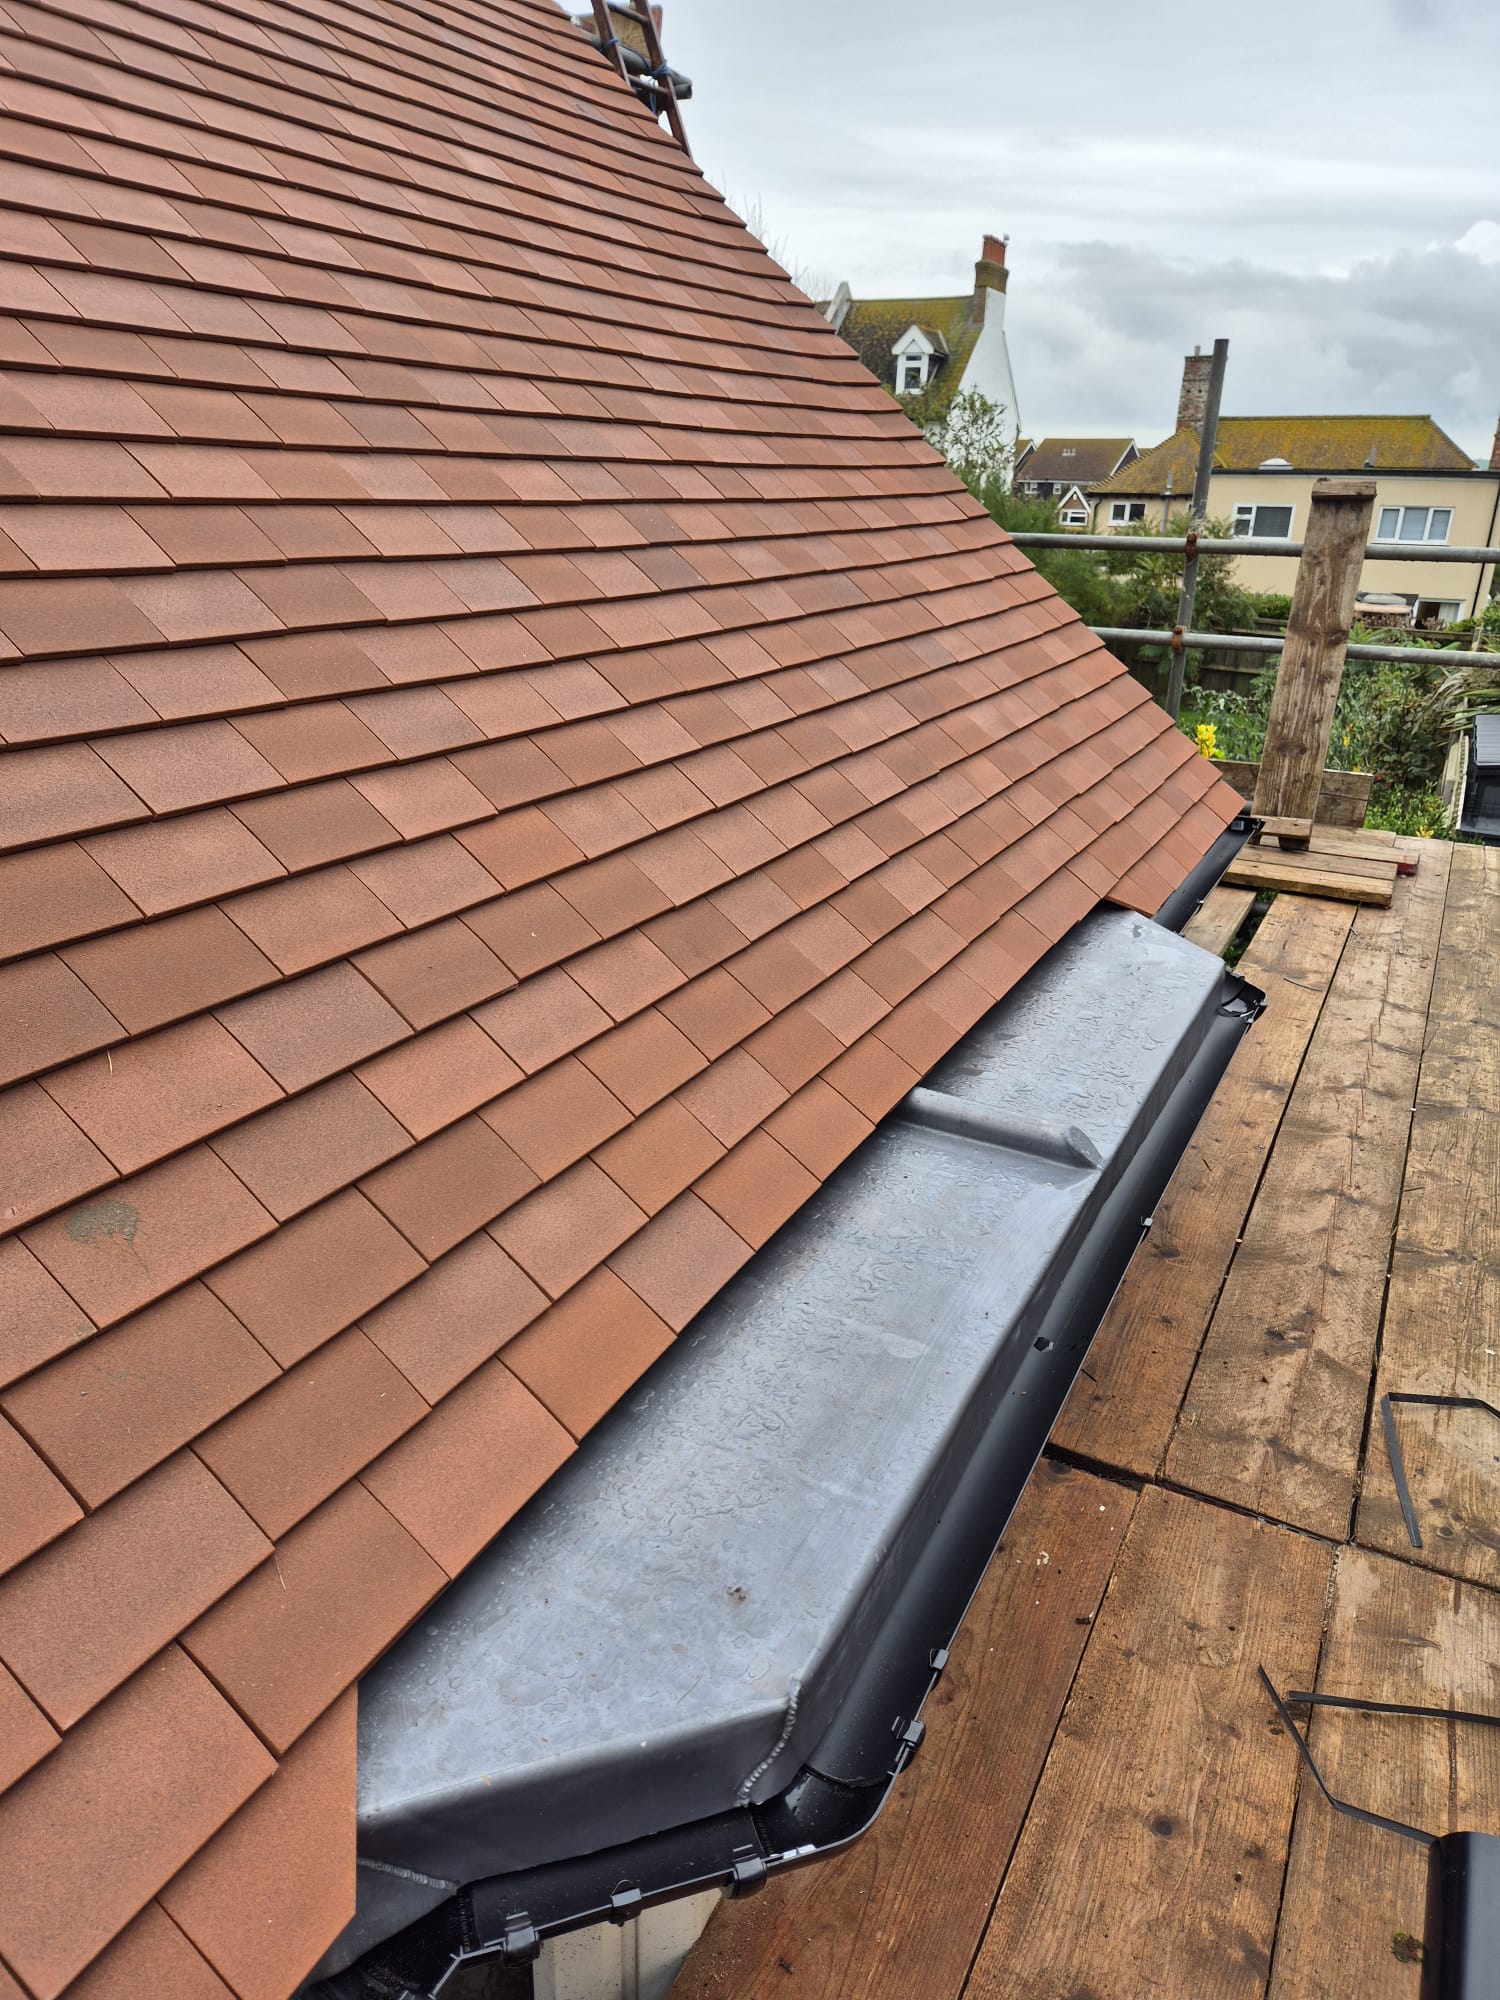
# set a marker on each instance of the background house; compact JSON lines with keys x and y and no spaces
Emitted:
{"x":916,"y":346}
{"x":1428,"y":490}
{"x":1065,"y":469}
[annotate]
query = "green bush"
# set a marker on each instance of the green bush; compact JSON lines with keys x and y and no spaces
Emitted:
{"x":1399,"y":809}
{"x":1395,"y":720}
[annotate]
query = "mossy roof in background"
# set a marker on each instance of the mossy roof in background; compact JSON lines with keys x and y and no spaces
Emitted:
{"x":1078,"y":460}
{"x":873,"y":326}
{"x":1309,"y":444}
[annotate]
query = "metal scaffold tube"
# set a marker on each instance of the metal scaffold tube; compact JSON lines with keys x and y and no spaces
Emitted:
{"x":1244,"y":642}
{"x":1243,"y":545}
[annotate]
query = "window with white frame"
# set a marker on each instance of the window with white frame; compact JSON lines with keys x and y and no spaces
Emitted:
{"x":1429,"y":611}
{"x":1075,"y":517}
{"x":912,"y":371}
{"x":1414,"y":524}
{"x":1121,"y":512}
{"x":1255,"y":518}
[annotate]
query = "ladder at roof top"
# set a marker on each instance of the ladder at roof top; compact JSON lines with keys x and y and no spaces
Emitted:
{"x":655,"y":87}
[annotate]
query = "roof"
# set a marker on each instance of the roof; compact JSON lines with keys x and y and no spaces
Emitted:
{"x":873,"y":326}
{"x":1073,"y":461}
{"x":1308,"y":444}
{"x":517,"y":753}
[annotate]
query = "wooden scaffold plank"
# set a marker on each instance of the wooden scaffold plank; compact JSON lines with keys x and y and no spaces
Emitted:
{"x":1442,"y":1321}
{"x":901,"y":1912}
{"x":1351,"y":880}
{"x":1274,"y":1416}
{"x":1220,"y":919}
{"x":1151,"y":1862}
{"x":1312,"y":663}
{"x":1125,"y":1402}
{"x":1355,"y":1897}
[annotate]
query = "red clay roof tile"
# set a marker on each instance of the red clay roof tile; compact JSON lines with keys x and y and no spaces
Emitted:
{"x":311,"y":1430}
{"x":437,"y":1077}
{"x":39,"y":1507}
{"x":52,"y":895}
{"x":157,"y":972}
{"x":147,"y":1234}
{"x":26,"y":1736}
{"x":316,"y":1275}
{"x":309,"y":1028}
{"x":680,"y":1259}
{"x":149,"y":1958}
{"x":273,"y":1885}
{"x":128,"y":1797}
{"x":48,"y":1159}
{"x":311,"y":918}
{"x":556,"y":1117}
{"x":160,"y":1092}
{"x":285,"y":1643}
{"x":659,"y":1155}
{"x":455,"y":1316}
{"x":37,"y":1318}
{"x":317,"y":823}
{"x":47,"y":1015}
{"x":432,"y":973}
{"x":173,"y":862}
{"x":450,"y":1185}
{"x":311,"y":1145}
{"x":562,"y":1231}
{"x":123,"y":1402}
{"x":457,"y":1478}
{"x":756,"y":1188}
{"x":84,"y":1614}
{"x":580,"y":1357}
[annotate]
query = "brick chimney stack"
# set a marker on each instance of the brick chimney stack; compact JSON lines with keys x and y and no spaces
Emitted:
{"x":1192,"y":403}
{"x":989,"y":275}
{"x":1495,"y":451}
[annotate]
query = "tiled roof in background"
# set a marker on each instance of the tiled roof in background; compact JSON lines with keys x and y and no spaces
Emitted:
{"x":1070,"y":460}
{"x":516,"y":755}
{"x":873,"y":326}
{"x":1308,"y":444}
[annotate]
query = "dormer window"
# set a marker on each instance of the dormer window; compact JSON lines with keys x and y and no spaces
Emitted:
{"x":917,"y":356}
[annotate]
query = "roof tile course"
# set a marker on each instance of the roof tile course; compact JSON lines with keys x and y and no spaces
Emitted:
{"x":514,"y":755}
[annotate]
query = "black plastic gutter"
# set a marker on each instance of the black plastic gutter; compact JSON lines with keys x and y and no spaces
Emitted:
{"x":1187,"y":898}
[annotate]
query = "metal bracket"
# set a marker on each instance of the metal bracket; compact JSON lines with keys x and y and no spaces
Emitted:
{"x":520,"y":1942}
{"x":1393,"y":1443}
{"x":626,"y":1902}
{"x":747,"y":1876}
{"x":1309,"y":1700}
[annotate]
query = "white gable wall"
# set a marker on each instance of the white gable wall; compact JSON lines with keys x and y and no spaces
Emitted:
{"x":989,"y":365}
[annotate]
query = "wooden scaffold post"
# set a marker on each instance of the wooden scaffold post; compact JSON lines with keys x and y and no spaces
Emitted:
{"x":1312,"y":663}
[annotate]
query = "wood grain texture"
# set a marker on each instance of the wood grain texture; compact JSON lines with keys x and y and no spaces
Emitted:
{"x":1126,"y":1399}
{"x":1274,"y":1416}
{"x":1395,"y":1634}
{"x":1219,"y":920}
{"x":900,"y":1913}
{"x":1442,"y":1321}
{"x":1311,"y":875}
{"x":1312,"y":662}
{"x":1342,"y":795}
{"x":1151,"y":1863}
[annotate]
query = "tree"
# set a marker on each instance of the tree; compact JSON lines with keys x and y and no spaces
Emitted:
{"x":1154,"y":580}
{"x":970,"y":431}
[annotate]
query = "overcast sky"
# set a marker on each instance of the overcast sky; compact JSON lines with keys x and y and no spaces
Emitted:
{"x":1317,"y":179}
